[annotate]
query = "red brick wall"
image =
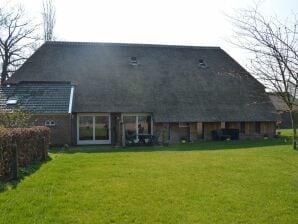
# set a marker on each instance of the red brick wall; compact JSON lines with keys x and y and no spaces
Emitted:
{"x":61,"y":132}
{"x":173,"y":133}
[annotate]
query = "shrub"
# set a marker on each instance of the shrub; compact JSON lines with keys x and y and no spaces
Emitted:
{"x":20,"y":147}
{"x":16,"y":118}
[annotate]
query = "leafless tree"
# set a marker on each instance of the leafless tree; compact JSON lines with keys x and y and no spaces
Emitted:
{"x":49,"y":20}
{"x":274,"y":48}
{"x":17,"y":37}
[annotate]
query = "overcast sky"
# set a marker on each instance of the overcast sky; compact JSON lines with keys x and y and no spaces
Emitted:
{"x":185,"y":22}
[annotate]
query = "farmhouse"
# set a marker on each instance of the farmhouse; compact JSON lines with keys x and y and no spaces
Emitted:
{"x":108,"y":93}
{"x":283,"y":110}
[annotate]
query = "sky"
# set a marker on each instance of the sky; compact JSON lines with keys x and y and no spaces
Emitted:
{"x":185,"y":22}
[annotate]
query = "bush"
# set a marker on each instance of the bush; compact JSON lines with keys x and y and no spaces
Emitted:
{"x":16,"y":118}
{"x":19,"y":147}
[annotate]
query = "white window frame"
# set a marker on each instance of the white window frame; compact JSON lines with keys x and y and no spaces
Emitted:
{"x":11,"y":101}
{"x":94,"y":141}
{"x":137,"y":121}
{"x":50,"y":123}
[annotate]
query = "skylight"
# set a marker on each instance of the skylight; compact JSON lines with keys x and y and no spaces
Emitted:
{"x":12,"y":101}
{"x":133,"y":60}
{"x":202,"y":63}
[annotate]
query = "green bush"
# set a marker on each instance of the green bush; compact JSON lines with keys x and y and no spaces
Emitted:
{"x":22,"y":146}
{"x":15,"y":119}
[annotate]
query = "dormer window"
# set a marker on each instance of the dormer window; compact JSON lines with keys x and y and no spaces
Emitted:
{"x":12,"y":101}
{"x":202,"y":63}
{"x":133,"y":61}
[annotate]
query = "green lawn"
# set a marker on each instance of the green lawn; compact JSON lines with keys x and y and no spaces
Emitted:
{"x":210,"y":182}
{"x":286,"y":132}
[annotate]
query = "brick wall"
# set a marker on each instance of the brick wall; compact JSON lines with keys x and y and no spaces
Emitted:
{"x":176,"y":133}
{"x":61,"y":131}
{"x":266,"y":129}
{"x":199,"y":130}
{"x":173,"y":133}
{"x":161,"y":130}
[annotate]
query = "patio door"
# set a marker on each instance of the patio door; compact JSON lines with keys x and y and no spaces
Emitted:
{"x":135,"y":125}
{"x":94,"y":129}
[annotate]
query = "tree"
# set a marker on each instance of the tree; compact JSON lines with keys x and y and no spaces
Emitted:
{"x":274,"y":48}
{"x":17,"y":38}
{"x":49,"y":20}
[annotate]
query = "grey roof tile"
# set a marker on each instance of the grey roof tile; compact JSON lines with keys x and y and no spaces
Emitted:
{"x":37,"y":97}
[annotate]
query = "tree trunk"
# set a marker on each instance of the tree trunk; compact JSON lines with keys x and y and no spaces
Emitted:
{"x":293,"y":121}
{"x":4,"y":73}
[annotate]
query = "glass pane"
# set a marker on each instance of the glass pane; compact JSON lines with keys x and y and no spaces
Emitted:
{"x":102,"y":128}
{"x":144,"y":125}
{"x":130,"y":124}
{"x":86,"y":128}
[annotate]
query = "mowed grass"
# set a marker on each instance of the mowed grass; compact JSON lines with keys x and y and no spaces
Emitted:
{"x":209,"y":182}
{"x":285,"y":132}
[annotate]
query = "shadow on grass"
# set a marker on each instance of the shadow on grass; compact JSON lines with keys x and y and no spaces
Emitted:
{"x":23,"y":172}
{"x":198,"y":146}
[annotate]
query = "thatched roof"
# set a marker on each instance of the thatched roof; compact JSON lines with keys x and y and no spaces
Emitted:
{"x":279,"y":104}
{"x":176,"y":83}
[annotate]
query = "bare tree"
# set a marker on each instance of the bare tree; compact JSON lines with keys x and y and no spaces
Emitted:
{"x":49,"y":20}
{"x":274,"y":48}
{"x":16,"y":39}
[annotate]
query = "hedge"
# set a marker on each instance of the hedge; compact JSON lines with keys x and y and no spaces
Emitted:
{"x":19,"y":147}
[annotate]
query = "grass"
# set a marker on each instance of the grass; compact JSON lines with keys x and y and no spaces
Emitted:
{"x":208,"y":182}
{"x":286,"y":132}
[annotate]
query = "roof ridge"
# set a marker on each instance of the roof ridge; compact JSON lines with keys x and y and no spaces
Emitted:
{"x":77,"y":43}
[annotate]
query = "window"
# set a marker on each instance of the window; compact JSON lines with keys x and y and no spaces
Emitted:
{"x":144,"y":124}
{"x":183,"y":125}
{"x":202,"y":63}
{"x":135,"y":126}
{"x":242,"y":127}
{"x":102,"y":128}
{"x":50,"y":123}
{"x":258,"y":127}
{"x":94,"y":129}
{"x":12,"y":101}
{"x":130,"y":128}
{"x":133,"y":60}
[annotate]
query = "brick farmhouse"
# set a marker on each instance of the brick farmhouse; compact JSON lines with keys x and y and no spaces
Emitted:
{"x":108,"y":93}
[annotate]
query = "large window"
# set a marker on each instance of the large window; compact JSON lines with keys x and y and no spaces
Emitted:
{"x":86,"y":128}
{"x":144,"y":125}
{"x":130,"y":127}
{"x":101,"y":128}
{"x":136,"y":126}
{"x":94,"y":129}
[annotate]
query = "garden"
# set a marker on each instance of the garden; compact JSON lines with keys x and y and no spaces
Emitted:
{"x":245,"y":181}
